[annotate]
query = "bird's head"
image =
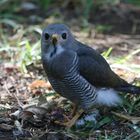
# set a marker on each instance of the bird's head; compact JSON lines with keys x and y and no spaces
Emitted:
{"x":55,"y":37}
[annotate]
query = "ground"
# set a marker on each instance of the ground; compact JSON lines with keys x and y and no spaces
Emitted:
{"x":29,"y":108}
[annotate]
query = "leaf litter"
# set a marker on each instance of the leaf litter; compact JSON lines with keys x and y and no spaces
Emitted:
{"x":29,"y":107}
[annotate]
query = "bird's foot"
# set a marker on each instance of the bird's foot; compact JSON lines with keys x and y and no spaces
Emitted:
{"x":71,"y":122}
{"x":88,"y":120}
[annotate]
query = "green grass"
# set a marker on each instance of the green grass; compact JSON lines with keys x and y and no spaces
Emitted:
{"x":20,"y":46}
{"x":22,"y":51}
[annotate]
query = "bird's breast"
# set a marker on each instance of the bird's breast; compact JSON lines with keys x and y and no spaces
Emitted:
{"x":62,"y":64}
{"x":75,"y":88}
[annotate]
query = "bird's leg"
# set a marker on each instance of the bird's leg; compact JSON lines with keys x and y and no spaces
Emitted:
{"x":70,"y":123}
{"x":75,"y":114}
{"x":73,"y":110}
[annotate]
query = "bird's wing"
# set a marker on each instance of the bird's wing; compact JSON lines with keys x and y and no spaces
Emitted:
{"x":94,"y":68}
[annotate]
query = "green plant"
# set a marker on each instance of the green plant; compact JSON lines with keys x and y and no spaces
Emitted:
{"x":30,"y":54}
{"x":107,"y":53}
{"x":103,"y":28}
{"x":135,"y":2}
{"x":45,"y":3}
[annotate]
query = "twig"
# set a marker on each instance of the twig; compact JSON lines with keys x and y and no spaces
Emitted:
{"x":133,"y":119}
{"x":19,"y":102}
{"x":5,"y":85}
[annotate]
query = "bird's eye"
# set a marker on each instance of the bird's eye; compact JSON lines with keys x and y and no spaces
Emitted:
{"x":47,"y":36}
{"x":64,"y":36}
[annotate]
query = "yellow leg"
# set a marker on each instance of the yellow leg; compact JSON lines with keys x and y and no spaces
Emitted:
{"x":73,"y":110}
{"x":74,"y":119}
{"x":71,"y":122}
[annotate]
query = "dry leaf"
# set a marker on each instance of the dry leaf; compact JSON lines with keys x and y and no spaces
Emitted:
{"x":34,"y":110}
{"x":40,"y":84}
{"x":6,"y":127}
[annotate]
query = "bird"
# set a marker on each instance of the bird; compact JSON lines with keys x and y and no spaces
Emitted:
{"x":78,"y":72}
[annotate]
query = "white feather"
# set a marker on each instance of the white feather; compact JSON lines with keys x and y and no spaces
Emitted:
{"x":108,"y":97}
{"x":59,"y":49}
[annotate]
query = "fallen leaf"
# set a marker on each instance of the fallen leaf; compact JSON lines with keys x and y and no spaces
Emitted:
{"x":29,"y":111}
{"x":6,"y":127}
{"x":39,"y":83}
{"x":34,"y":110}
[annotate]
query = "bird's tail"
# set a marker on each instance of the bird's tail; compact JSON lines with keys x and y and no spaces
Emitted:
{"x":129,"y":89}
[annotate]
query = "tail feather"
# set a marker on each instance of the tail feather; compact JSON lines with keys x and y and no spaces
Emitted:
{"x":129,"y":89}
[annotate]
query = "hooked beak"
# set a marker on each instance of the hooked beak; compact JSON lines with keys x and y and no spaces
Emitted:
{"x":54,"y":39}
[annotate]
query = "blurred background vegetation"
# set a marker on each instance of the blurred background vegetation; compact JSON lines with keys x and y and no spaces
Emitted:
{"x":112,"y":27}
{"x":21,"y":22}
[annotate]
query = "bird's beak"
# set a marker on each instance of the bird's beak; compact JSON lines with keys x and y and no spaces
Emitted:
{"x":55,"y":38}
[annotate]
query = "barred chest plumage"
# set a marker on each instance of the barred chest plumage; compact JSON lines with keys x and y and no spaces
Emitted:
{"x":70,"y":84}
{"x":74,"y":70}
{"x":75,"y":89}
